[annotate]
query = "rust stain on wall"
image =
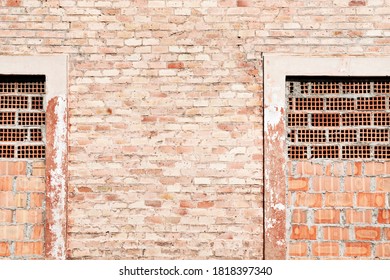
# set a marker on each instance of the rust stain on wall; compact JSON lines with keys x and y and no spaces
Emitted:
{"x":275,"y":189}
{"x":56,"y":179}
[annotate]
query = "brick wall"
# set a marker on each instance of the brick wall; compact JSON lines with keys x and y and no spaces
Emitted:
{"x":22,"y":196}
{"x":339,"y":209}
{"x":165,"y":117}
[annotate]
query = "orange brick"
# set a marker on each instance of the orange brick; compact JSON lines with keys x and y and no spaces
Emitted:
{"x":308,"y":199}
{"x":326,"y":184}
{"x":367,"y":233}
{"x":175,"y":65}
{"x":336,"y":233}
{"x":297,"y":249}
{"x":356,"y":184}
{"x":357,"y":249}
{"x":34,"y":184}
{"x":371,"y":199}
{"x":28,"y":248}
{"x":354,"y":168}
{"x":37,"y":232}
{"x":4,"y":249}
{"x":12,"y":232}
{"x":39,"y":168}
{"x":36,"y":199}
{"x":383,"y":184}
{"x":303,"y":232}
{"x":384,"y":216}
{"x":5,"y":216}
{"x":386,"y":232}
{"x":31,"y":216}
{"x":308,"y":168}
{"x":338,"y":199}
{"x":358,"y":216}
{"x":205,"y":204}
{"x":299,"y":216}
{"x":301,"y":184}
{"x":374,"y":168}
{"x":8,"y":199}
{"x":326,"y":216}
{"x":382,"y":250}
{"x":16,"y":168}
{"x":329,"y":249}
{"x":5,"y":183}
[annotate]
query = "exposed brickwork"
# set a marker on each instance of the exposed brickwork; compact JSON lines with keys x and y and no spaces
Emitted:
{"x":349,"y":206}
{"x":165,"y":117}
{"x":22,"y":209}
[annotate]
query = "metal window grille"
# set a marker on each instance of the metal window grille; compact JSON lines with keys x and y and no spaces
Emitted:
{"x":22,"y":116}
{"x":338,"y":117}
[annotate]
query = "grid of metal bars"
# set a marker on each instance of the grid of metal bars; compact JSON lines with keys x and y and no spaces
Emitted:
{"x":22,"y":116}
{"x":338,"y":117}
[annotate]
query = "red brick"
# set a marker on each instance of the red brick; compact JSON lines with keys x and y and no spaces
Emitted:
{"x":308,"y":168}
{"x":325,"y":249}
{"x":383,"y":184}
{"x":336,"y":233}
{"x":153,"y":203}
{"x":367,"y":233}
{"x":371,"y":199}
{"x":384,"y":216}
{"x":34,"y":184}
{"x":176,"y":65}
{"x":356,"y":184}
{"x":37,"y":232}
{"x":353,"y":168}
{"x":28,"y":248}
{"x":17,"y":168}
{"x":8,"y":199}
{"x":357,"y":249}
{"x":326,"y":216}
{"x":358,"y":216}
{"x":13,"y":3}
{"x":12,"y":232}
{"x":243,"y":3}
{"x":374,"y":168}
{"x":382,"y":250}
{"x":297,"y":249}
{"x":301,"y":184}
{"x":5,"y":216}
{"x":299,"y":216}
{"x":338,"y":199}
{"x":187,"y":204}
{"x":308,"y":199}
{"x":6,"y":183}
{"x":386,"y":232}
{"x":303,"y":232}
{"x":205,"y":204}
{"x":326,"y":184}
{"x":31,"y":216}
{"x":36,"y":199}
{"x":356,"y":3}
{"x":4,"y":249}
{"x":39,"y":168}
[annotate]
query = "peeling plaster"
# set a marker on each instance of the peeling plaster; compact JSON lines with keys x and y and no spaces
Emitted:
{"x":58,"y":182}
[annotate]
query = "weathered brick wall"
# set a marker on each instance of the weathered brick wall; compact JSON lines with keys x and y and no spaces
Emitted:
{"x":22,"y":195}
{"x":165,"y":111}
